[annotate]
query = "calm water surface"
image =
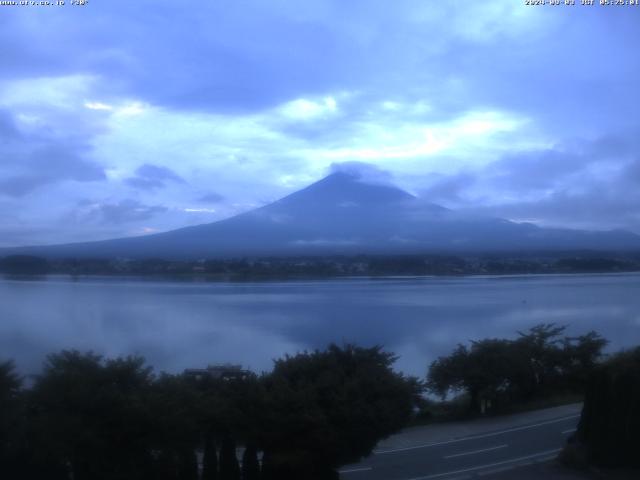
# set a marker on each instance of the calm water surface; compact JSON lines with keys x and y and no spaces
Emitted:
{"x":176,"y":325}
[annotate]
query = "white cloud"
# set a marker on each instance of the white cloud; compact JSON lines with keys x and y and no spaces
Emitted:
{"x":484,"y":21}
{"x":304,"y":109}
{"x":471,"y":138}
{"x":53,"y":91}
{"x":200,"y":210}
{"x":97,"y":106}
{"x":131,"y":109}
{"x":124,"y":109}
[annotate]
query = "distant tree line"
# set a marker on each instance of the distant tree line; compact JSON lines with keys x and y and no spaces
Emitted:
{"x":24,"y":265}
{"x":332,"y":266}
{"x":87,"y":417}
{"x":498,"y":373}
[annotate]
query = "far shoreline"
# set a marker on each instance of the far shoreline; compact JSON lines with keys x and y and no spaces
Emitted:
{"x":203,"y":278}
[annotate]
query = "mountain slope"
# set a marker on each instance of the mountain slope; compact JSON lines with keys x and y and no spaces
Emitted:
{"x":342,"y":215}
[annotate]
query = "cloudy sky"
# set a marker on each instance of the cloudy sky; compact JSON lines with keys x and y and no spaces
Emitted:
{"x":126,"y":118}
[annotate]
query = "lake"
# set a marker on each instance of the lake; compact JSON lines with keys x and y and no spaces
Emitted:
{"x":178,"y":325}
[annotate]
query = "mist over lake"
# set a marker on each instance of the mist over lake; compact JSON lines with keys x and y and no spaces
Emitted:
{"x":177,"y":325}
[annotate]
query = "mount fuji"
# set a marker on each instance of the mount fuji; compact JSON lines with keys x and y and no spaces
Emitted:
{"x":341,"y":214}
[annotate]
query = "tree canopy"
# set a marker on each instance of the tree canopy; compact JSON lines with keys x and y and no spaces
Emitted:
{"x":96,"y":418}
{"x":610,"y":421}
{"x":328,"y":408}
{"x":502,"y":371}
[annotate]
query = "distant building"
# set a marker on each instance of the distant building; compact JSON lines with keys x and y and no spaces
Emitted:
{"x":225,"y":372}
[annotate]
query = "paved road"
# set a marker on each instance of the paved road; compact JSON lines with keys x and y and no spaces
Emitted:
{"x":489,"y":446}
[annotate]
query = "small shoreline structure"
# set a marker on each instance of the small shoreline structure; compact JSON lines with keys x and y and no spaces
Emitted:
{"x":225,"y":371}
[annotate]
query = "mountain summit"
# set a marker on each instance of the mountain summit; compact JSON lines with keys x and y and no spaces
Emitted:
{"x":342,"y":214}
{"x":344,"y":187}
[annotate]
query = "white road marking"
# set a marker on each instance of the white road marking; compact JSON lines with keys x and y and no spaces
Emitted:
{"x":474,"y":437}
{"x":568,"y":431}
{"x":489,"y":465}
{"x":477,"y":451}
{"x":353,"y":470}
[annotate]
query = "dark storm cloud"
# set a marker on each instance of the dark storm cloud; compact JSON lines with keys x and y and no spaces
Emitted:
{"x":8,"y":130}
{"x":126,"y":211}
{"x":244,"y":56}
{"x":227,"y":56}
{"x":597,"y":207}
{"x":211,"y":197}
{"x":535,"y":169}
{"x":363,"y":171}
{"x":149,"y":177}
{"x":448,"y":188}
{"x":564,"y":167}
{"x":589,"y":184}
{"x":632,"y":171}
{"x":30,"y":160}
{"x":21,"y":185}
{"x":20,"y":233}
{"x":583,"y":81}
{"x":25,"y":169}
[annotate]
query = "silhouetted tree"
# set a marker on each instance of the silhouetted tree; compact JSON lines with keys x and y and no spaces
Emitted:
{"x":540,"y":357}
{"x":581,"y":355}
{"x":610,"y":421}
{"x":11,"y":428}
{"x":231,"y":410}
{"x":166,"y":466}
{"x":250,"y":464}
{"x":174,"y":403}
{"x":229,"y":468}
{"x":111,"y":419}
{"x":266,"y":468}
{"x":91,"y":415}
{"x":483,"y":371}
{"x":188,"y":465}
{"x":447,"y":372}
{"x":209,"y":459}
{"x":329,"y":408}
{"x":539,"y":362}
{"x":232,"y":404}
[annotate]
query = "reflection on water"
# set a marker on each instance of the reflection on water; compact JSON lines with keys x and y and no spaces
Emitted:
{"x":180,"y":324}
